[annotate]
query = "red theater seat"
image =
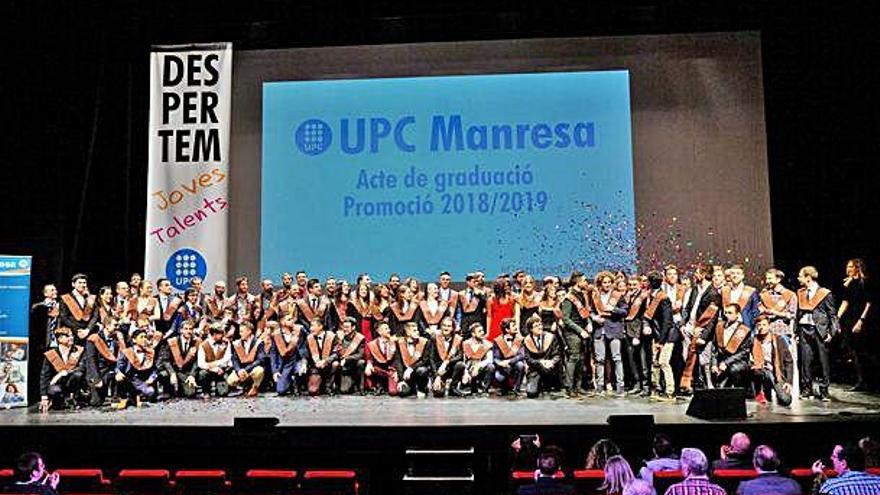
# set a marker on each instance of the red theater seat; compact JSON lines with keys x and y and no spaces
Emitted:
{"x":274,"y":481}
{"x":6,"y":473}
{"x":330,"y":481}
{"x":143,"y":481}
{"x":201,"y":481}
{"x":89,"y":480}
{"x":530,"y":475}
{"x":873,"y":470}
{"x":805,"y":476}
{"x":729,"y":479}
{"x":664,"y":479}
{"x":588,"y":480}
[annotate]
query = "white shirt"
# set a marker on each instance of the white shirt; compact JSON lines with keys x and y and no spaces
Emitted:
{"x":701,"y":289}
{"x":81,"y":299}
{"x":672,"y":293}
{"x":767,"y":347}
{"x":221,"y":362}
{"x":729,"y":330}
{"x":736,"y":293}
{"x":807,"y":317}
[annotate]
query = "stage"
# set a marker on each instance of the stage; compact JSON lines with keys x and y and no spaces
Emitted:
{"x":342,"y":411}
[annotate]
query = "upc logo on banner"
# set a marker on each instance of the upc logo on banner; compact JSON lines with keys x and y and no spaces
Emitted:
{"x":183,"y":265}
{"x":313,"y":137}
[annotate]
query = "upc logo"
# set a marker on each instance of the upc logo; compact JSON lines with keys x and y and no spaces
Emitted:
{"x":183,"y":265}
{"x":313,"y":137}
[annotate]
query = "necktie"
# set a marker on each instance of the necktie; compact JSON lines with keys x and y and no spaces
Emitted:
{"x":540,"y":343}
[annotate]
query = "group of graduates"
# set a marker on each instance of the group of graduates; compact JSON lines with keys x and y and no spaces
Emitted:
{"x":654,"y":335}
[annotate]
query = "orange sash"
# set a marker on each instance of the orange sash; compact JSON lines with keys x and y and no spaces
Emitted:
{"x":767,"y":301}
{"x":707,"y":316}
{"x":362,"y":310}
{"x":410,"y":359}
{"x":634,"y":307}
{"x":508,"y":351}
{"x":102,"y":347}
{"x":306,"y":309}
{"x":581,"y":308}
{"x":327,"y":347}
{"x":376,"y":351}
{"x":285,"y":348}
{"x":805,"y":304}
{"x":735,"y":340}
{"x":443,"y":350}
{"x":655,"y":303}
{"x":476,"y":351}
{"x":395,"y":308}
{"x":79,"y":314}
{"x":743,"y":297}
{"x":602,"y":309}
{"x":54,"y":358}
{"x":172,"y":308}
{"x":352,"y":346}
{"x":213,"y":308}
{"x":238,"y":347}
{"x":435,"y":317}
{"x":179,"y":359}
{"x":210,"y":355}
{"x":758,"y":356}
{"x":147,"y":363}
{"x":469,"y":307}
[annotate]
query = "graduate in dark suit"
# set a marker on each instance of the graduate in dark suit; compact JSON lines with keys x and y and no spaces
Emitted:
{"x":178,"y":359}
{"x":700,"y":314}
{"x":321,"y":350}
{"x":248,"y":361}
{"x":102,"y":351}
{"x":609,"y":309}
{"x":61,"y":376}
{"x":381,"y":357}
{"x":772,"y":365}
{"x":543,"y":357}
{"x":817,"y":323}
{"x":471,"y":304}
{"x":658,"y":315}
{"x":447,"y":361}
{"x":348,"y":367}
{"x":576,"y":328}
{"x":287,"y":354}
{"x":413,"y":362}
{"x":77,"y":308}
{"x":509,"y":357}
{"x":136,"y":374}
{"x":733,"y":348}
{"x":478,"y":360}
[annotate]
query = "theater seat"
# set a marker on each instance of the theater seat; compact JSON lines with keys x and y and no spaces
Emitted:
{"x":520,"y":478}
{"x":330,"y":482}
{"x":273,"y":481}
{"x":873,"y":470}
{"x":664,"y":479}
{"x":82,"y":481}
{"x":588,"y":480}
{"x":729,"y":479}
{"x":201,"y":481}
{"x":6,"y":473}
{"x":143,"y":481}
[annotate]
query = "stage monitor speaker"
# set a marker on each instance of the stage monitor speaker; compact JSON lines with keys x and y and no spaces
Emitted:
{"x":719,"y":403}
{"x":630,"y":422}
{"x":254,"y":423}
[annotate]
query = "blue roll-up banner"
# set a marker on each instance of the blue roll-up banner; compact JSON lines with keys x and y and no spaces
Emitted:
{"x":15,"y":288}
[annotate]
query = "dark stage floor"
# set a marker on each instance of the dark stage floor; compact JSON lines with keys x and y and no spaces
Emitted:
{"x":393,"y":412}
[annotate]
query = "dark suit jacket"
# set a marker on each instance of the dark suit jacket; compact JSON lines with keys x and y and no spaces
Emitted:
{"x":546,"y":486}
{"x":662,"y":324}
{"x":769,"y":484}
{"x":710,"y":296}
{"x":824,"y":316}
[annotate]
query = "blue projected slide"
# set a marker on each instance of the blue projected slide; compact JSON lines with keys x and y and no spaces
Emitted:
{"x":423,"y":174}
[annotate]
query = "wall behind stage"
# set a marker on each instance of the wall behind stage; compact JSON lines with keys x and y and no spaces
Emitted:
{"x":699,"y":157}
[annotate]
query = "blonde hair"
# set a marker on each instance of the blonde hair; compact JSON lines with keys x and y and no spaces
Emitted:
{"x":617,"y":474}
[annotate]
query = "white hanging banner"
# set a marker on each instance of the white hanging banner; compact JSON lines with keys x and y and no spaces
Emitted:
{"x":187,"y":207}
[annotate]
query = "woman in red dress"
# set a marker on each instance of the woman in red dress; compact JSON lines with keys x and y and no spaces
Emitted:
{"x":360,"y":304}
{"x":501,"y":306}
